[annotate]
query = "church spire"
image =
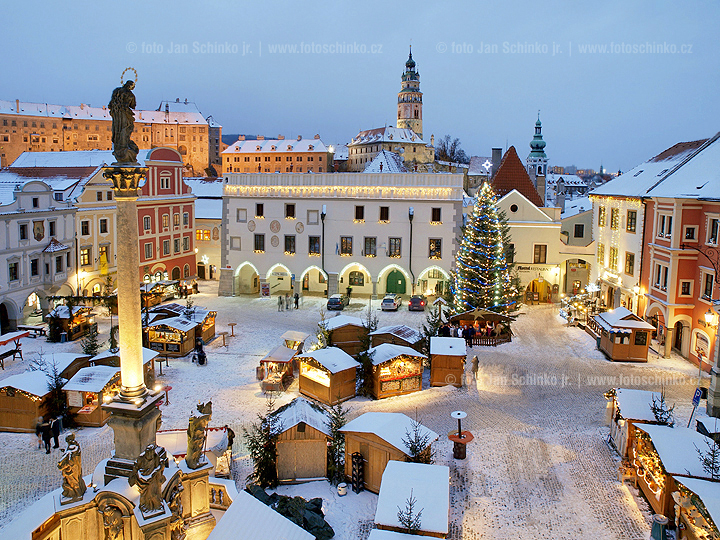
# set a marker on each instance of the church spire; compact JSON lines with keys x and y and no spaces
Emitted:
{"x":410,"y":98}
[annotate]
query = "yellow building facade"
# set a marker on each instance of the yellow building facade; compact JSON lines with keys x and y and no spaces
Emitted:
{"x":277,"y":156}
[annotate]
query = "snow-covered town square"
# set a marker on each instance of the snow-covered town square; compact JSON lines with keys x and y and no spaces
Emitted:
{"x":540,"y":465}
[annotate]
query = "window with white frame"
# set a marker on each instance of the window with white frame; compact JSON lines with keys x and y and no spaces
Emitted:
{"x":660,"y":277}
{"x":186,"y":219}
{"x":166,"y":221}
{"x":241,"y":215}
{"x":708,"y":282}
{"x":165,"y":181}
{"x":690,"y":233}
{"x":712,"y":237}
{"x":166,"y":247}
{"x":664,"y":226}
{"x":148,"y":251}
{"x":147,"y":223}
{"x":686,"y":288}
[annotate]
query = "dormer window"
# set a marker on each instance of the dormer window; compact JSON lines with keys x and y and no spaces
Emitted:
{"x":257,"y":148}
{"x":273,"y":147}
{"x":289,"y":148}
{"x":310,"y":148}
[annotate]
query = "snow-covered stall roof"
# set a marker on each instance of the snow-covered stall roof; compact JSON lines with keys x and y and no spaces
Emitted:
{"x":709,"y":493}
{"x":148,"y":354}
{"x":448,"y":346}
{"x":301,"y":410}
{"x":177,"y":323}
{"x":430,"y":485}
{"x":380,"y":534}
{"x":63,"y":312}
{"x":619,"y":319}
{"x":62,"y":360}
{"x":390,"y":427}
{"x":386,"y":162}
{"x":677,"y":448}
{"x":342,"y":320}
{"x":256,"y":521}
{"x":332,"y":358}
{"x":32,"y":382}
{"x":280,"y":354}
{"x":401,"y":331}
{"x":635,"y":404}
{"x":294,"y":335}
{"x":92,"y":379}
{"x":387,"y":351}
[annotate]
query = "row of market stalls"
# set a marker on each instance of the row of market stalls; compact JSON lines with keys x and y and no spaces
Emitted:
{"x":173,"y":329}
{"x":669,"y":465}
{"x":91,"y":381}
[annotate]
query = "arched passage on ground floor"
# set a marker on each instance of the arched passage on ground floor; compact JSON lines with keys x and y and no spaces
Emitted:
{"x":433,"y":281}
{"x":8,"y":316}
{"x":280,"y":279}
{"x":246,"y":279}
{"x":355,"y":280}
{"x":313,"y":280}
{"x":576,"y":276}
{"x":539,"y":291}
{"x":394,"y":279}
{"x":682,"y":326}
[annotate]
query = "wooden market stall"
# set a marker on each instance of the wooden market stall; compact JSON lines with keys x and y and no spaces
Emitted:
{"x":111,"y":357}
{"x":491,"y":329}
{"x":699,"y":504}
{"x":378,"y":437}
{"x":398,"y":334}
{"x":626,"y":408}
{"x":346,"y":333}
{"x":74,"y":325}
{"x":623,"y":335}
{"x":23,"y":398}
{"x":295,"y":340}
{"x":302,"y":447}
{"x":203,"y":318}
{"x":155,"y":293}
{"x":172,"y":337}
{"x":67,"y":364}
{"x":659,"y":455}
{"x":430,"y":486}
{"x":447,"y":361}
{"x":276,"y":369}
{"x":87,"y":390}
{"x":328,"y":375}
{"x":396,"y":370}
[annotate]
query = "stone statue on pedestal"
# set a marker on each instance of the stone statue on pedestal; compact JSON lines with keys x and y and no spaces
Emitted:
{"x":148,"y":476}
{"x":112,"y":522}
{"x":121,"y":108}
{"x":196,"y":435}
{"x":177,"y":522}
{"x":73,"y":487}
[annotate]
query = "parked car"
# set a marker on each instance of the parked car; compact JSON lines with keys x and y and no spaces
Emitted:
{"x":391,"y":302}
{"x":337,"y":301}
{"x":417,"y":303}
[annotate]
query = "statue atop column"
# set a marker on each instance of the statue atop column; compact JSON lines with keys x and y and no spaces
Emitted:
{"x":148,"y":476}
{"x":196,"y":435}
{"x":73,"y":487}
{"x":121,"y":108}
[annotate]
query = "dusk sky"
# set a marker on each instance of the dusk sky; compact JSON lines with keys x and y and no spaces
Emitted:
{"x":619,"y":108}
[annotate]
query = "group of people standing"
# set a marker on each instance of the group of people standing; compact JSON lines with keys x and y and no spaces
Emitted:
{"x":47,"y":430}
{"x":466,"y":332}
{"x":285,"y":303}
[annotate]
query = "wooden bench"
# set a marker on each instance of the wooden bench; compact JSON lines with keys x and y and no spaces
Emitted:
{"x":7,"y":351}
{"x":34,"y":329}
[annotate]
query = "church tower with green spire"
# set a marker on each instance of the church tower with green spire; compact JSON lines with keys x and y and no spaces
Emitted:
{"x":410,"y":99}
{"x":536,"y":162}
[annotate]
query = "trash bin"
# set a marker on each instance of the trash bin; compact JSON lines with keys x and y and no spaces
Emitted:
{"x":597,"y":339}
{"x":342,"y":489}
{"x":63,"y":337}
{"x":659,"y":527}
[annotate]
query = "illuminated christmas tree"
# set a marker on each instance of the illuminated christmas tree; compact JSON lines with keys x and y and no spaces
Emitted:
{"x":483,"y":277}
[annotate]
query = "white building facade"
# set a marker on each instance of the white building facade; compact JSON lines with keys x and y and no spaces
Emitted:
{"x":323,"y":233}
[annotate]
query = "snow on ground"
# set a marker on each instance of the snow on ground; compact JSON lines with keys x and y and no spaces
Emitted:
{"x":539,"y":466}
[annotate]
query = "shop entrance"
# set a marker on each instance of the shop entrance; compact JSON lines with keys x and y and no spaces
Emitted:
{"x":4,"y":319}
{"x":678,"y":339}
{"x":395,"y":282}
{"x":538,"y":291}
{"x":201,"y":271}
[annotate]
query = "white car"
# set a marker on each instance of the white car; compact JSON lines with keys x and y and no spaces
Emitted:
{"x":391,"y":303}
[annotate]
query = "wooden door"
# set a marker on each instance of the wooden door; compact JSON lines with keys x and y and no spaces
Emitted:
{"x":301,"y":459}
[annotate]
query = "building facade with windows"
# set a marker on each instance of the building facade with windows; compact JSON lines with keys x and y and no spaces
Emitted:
{"x":277,"y":156}
{"x":312,"y":233}
{"x":208,"y":224}
{"x":40,"y":127}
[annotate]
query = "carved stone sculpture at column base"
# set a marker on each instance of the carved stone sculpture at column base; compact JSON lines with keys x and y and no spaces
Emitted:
{"x":73,"y":487}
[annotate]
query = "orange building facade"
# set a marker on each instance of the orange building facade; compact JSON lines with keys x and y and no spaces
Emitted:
{"x":277,"y":156}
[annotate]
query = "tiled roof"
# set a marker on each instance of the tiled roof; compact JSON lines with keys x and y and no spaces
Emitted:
{"x":681,"y":148}
{"x":386,"y":134}
{"x":276,"y":145}
{"x":386,"y":162}
{"x":55,"y":246}
{"x":50,"y":172}
{"x":512,"y":175}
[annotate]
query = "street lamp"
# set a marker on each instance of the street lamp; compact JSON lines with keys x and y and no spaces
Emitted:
{"x":411,"y":215}
{"x":636,"y":290}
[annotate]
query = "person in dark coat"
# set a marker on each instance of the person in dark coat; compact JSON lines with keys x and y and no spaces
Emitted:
{"x":55,"y":427}
{"x":297,"y":300}
{"x":46,"y":435}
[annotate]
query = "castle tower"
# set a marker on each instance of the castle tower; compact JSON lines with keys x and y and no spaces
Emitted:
{"x":410,"y":99}
{"x":537,"y":160}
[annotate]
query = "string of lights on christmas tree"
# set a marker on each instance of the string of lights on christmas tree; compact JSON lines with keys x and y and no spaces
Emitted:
{"x":482,"y":277}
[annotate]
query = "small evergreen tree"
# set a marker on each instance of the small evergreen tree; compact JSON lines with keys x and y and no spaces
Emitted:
{"x":336,"y":449}
{"x":189,"y":311}
{"x":261,"y":439}
{"x":90,"y":343}
{"x":435,"y":319}
{"x":56,"y":402}
{"x":365,"y":378}
{"x":710,"y":458}
{"x":663,"y":414}
{"x":323,"y":334}
{"x":408,"y":518}
{"x":417,"y":441}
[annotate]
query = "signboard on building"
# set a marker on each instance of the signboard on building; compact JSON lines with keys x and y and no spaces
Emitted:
{"x":265,"y":290}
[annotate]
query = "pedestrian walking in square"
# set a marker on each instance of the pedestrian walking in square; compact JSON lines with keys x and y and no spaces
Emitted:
{"x":297,"y":300}
{"x":287,"y":302}
{"x":280,"y":302}
{"x":55,"y":427}
{"x":475,"y":365}
{"x":46,"y":435}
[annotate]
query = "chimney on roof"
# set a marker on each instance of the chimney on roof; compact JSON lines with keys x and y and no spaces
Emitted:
{"x":17,"y":105}
{"x":281,"y":137}
{"x":167,"y":108}
{"x":261,"y":137}
{"x":496,"y":159}
{"x":82,"y":106}
{"x":317,"y":136}
{"x":177,"y":100}
{"x":185,"y":101}
{"x":299,"y":137}
{"x":241,"y":137}
{"x":560,"y":199}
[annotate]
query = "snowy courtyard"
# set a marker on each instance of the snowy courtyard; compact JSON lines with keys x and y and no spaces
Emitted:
{"x":539,"y":466}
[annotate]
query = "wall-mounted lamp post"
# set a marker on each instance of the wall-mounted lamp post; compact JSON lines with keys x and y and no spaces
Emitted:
{"x":411,"y":215}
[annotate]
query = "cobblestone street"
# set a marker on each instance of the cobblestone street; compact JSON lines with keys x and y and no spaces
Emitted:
{"x":539,"y":466}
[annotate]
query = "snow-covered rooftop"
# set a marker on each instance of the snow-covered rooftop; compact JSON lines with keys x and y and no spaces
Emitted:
{"x":332,"y":358}
{"x":449,"y":346}
{"x":390,"y":427}
{"x":301,"y":410}
{"x":208,"y":208}
{"x":677,"y":448}
{"x":341,"y":152}
{"x":276,"y":145}
{"x":574,"y":207}
{"x":380,"y":534}
{"x":32,"y":382}
{"x":279,"y":354}
{"x":75,"y":158}
{"x":177,"y":323}
{"x":551,"y":179}
{"x":620,"y":318}
{"x":62,"y":360}
{"x":386,"y":162}
{"x":254,"y":520}
{"x":635,"y":404}
{"x":342,"y":320}
{"x":480,"y":166}
{"x":53,"y":247}
{"x":175,"y":441}
{"x":430,"y":485}
{"x":63,"y":312}
{"x":92,"y":379}
{"x":386,"y":134}
{"x":388,"y":351}
{"x":402,"y":331}
{"x":709,"y":493}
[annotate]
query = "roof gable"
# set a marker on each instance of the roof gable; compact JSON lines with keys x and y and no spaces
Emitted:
{"x":529,"y":211}
{"x":512,"y":175}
